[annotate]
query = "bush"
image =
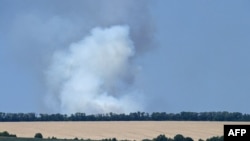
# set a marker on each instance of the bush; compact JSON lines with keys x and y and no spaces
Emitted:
{"x":161,"y":138}
{"x":146,"y":140}
{"x":188,"y":139}
{"x":113,"y":139}
{"x":6,"y":134}
{"x":38,"y":135}
{"x":217,"y":138}
{"x":179,"y":137}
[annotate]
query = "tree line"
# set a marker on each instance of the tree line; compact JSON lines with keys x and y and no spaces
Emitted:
{"x":5,"y":136}
{"x":134,"y":116}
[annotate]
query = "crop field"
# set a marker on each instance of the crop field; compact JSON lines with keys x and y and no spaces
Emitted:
{"x":131,"y":130}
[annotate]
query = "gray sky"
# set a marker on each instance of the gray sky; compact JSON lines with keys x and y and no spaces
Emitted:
{"x":193,"y":55}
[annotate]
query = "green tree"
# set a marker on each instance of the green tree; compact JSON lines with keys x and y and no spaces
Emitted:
{"x":161,"y":138}
{"x":221,"y":138}
{"x":4,"y":133}
{"x":38,"y":135}
{"x":179,"y":137}
{"x":188,"y":139}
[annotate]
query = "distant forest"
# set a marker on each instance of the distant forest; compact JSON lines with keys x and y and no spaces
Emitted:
{"x":135,"y":116}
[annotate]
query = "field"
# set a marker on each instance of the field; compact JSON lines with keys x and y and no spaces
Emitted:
{"x":131,"y":130}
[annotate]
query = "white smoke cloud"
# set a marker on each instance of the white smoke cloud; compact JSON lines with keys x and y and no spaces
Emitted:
{"x":94,"y":75}
{"x":37,"y":38}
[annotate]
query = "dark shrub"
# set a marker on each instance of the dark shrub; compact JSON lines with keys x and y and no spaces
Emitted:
{"x":38,"y":135}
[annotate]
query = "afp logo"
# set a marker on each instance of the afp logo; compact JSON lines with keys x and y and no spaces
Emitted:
{"x":237,"y":132}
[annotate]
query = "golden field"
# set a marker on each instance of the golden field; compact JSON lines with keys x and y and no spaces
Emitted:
{"x":131,"y":130}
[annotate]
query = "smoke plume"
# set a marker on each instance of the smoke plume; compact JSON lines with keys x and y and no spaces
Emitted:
{"x":95,"y":75}
{"x":86,"y":49}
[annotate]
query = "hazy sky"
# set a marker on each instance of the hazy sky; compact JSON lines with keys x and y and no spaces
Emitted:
{"x":191,"y":55}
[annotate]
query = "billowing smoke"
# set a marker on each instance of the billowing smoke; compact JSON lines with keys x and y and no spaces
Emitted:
{"x":95,"y":75}
{"x":81,"y":54}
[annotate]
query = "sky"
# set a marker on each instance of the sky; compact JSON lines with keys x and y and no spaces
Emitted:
{"x":185,"y":56}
